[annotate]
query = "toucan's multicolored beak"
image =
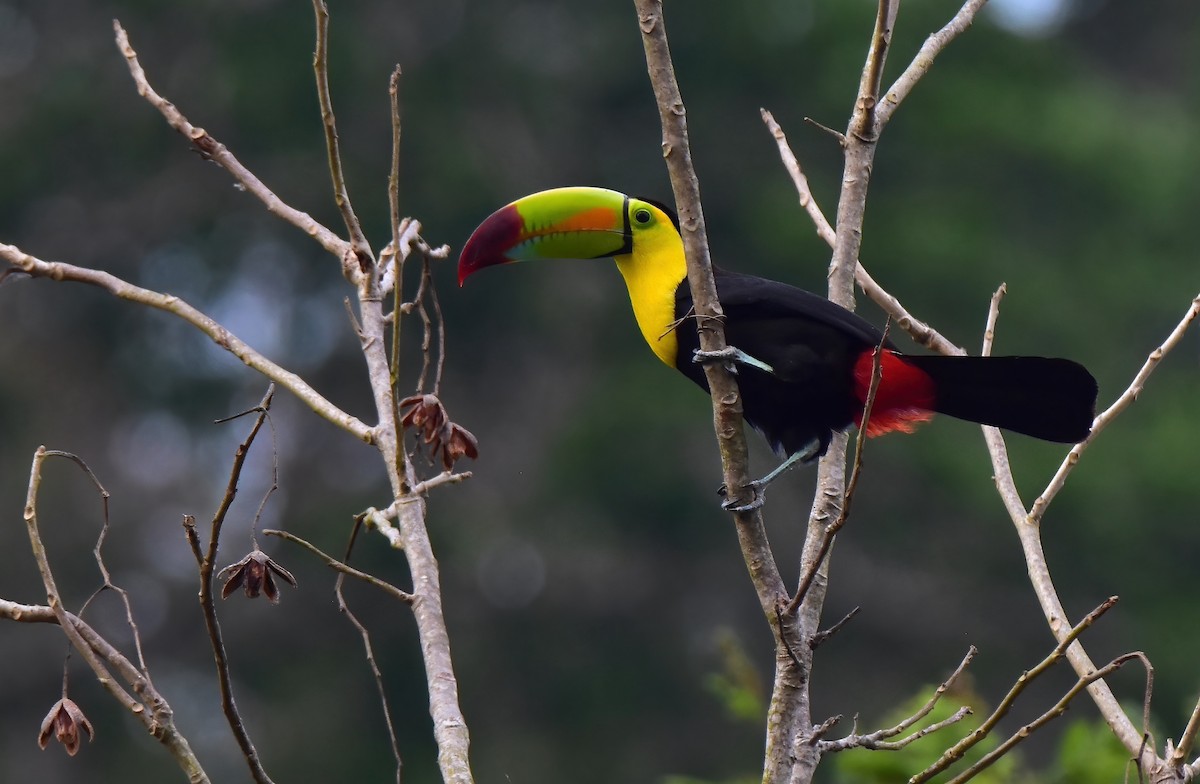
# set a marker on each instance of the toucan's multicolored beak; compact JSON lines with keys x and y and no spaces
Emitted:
{"x":563,"y":223}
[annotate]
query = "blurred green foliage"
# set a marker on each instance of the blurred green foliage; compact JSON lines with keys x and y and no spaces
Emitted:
{"x":1088,"y":752}
{"x":586,"y":566}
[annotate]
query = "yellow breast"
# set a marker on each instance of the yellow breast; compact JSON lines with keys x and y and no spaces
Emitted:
{"x":652,"y":272}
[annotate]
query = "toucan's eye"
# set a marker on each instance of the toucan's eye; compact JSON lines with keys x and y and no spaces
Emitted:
{"x":641,"y":216}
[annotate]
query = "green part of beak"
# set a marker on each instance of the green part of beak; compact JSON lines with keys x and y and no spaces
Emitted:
{"x":563,"y":223}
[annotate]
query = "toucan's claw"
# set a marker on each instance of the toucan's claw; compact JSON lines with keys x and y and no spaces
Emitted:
{"x":759,"y":490}
{"x":732,"y":357}
{"x":759,"y":486}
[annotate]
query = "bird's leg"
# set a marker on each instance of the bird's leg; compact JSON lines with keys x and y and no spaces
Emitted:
{"x":733,"y":356}
{"x":759,"y":486}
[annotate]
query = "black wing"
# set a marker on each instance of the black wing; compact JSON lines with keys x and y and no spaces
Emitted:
{"x":810,"y":344}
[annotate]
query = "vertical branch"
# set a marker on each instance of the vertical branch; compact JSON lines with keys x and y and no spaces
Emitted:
{"x":449,"y":726}
{"x":829,"y":499}
{"x":426,"y":326}
{"x":360,"y":247}
{"x":397,"y":262}
{"x":206,"y":561}
{"x":394,"y":176}
{"x":865,"y":126}
{"x":783,"y":718}
{"x":727,"y":407}
{"x":439,"y":325}
{"x":860,"y":142}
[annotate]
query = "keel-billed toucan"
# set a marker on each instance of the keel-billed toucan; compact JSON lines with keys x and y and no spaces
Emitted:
{"x":806,"y":363}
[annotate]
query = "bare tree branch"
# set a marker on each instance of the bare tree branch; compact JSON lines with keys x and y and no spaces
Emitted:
{"x":878,"y":740}
{"x":800,"y":756}
{"x":956,"y":752}
{"x":344,"y":568}
{"x":782,"y":721}
{"x":207,"y":567}
{"x":358,"y":241}
{"x":1120,"y":404}
{"x":60,"y":271}
{"x":151,"y":709}
{"x":925,"y":57}
{"x":727,"y":407}
{"x":1057,"y":710}
{"x":860,"y":442}
{"x":217,"y":152}
{"x":1027,"y":524}
{"x":450,"y":730}
{"x":1188,"y":739}
{"x":918,"y":330}
{"x":449,"y":726}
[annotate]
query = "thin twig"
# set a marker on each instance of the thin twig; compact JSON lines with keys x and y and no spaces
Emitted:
{"x":262,"y":505}
{"x":152,"y":710}
{"x":439,"y":323}
{"x":820,"y":637}
{"x":1057,"y":710}
{"x":398,"y":257}
{"x":98,"y":556}
{"x":958,"y":750}
{"x":346,"y":569}
{"x":989,"y":329}
{"x":207,"y":568}
{"x":369,"y":652}
{"x":444,"y":478}
{"x":822,"y":729}
{"x":1188,"y":739}
{"x":921,"y":64}
{"x":878,"y":740}
{"x":218,"y":153}
{"x":917,"y":329}
{"x":831,"y":530}
{"x":836,"y":134}
{"x":866,"y":127}
{"x":807,"y":201}
{"x":394,"y":175}
{"x":1120,"y":404}
{"x":426,"y":325}
{"x":60,"y":271}
{"x":358,"y":241}
{"x":54,"y":599}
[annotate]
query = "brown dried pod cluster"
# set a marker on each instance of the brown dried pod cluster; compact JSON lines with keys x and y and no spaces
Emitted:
{"x":427,"y":415}
{"x":64,"y":721}
{"x":256,"y":572}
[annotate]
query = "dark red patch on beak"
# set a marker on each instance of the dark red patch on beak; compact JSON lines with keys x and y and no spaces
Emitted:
{"x":489,"y":243}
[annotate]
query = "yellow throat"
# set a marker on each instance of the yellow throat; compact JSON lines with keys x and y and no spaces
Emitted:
{"x":652,"y":272}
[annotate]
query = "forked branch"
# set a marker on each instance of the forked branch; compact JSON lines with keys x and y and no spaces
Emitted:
{"x":148,"y":706}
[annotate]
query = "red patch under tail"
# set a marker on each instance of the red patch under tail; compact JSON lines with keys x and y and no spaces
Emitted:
{"x":904,"y":398}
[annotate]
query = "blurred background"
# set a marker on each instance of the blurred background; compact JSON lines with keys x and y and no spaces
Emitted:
{"x":603,"y":626}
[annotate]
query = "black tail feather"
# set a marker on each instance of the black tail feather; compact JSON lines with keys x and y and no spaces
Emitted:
{"x":1050,"y":399}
